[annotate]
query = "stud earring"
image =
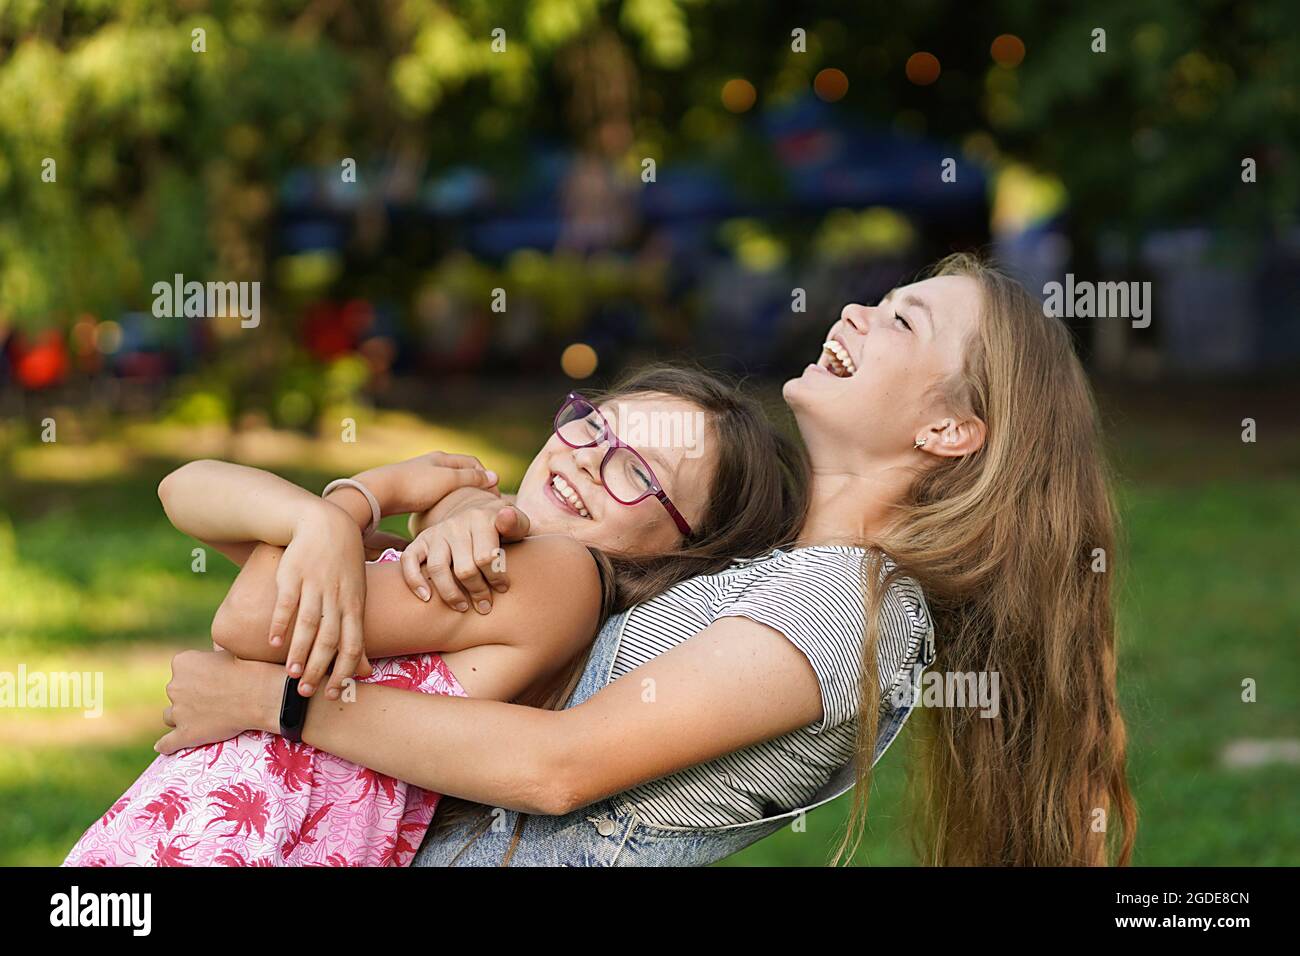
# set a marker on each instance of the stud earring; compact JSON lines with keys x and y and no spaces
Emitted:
{"x":919,"y":443}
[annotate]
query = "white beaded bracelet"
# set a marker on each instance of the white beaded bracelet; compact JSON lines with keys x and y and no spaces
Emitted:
{"x":374,"y":502}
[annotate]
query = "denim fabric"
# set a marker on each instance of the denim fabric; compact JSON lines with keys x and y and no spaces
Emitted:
{"x":611,"y":832}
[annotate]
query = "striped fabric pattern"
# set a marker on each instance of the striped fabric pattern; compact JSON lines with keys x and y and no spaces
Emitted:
{"x":815,"y":597}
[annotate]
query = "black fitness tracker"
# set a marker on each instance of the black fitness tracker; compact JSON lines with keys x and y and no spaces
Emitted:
{"x":293,"y":711}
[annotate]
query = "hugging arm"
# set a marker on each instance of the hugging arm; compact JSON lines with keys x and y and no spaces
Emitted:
{"x":734,"y":684}
{"x":232,"y":507}
{"x":320,"y":582}
{"x":550,"y":613}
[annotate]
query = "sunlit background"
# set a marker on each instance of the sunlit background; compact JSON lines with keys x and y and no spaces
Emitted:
{"x":457,"y":211}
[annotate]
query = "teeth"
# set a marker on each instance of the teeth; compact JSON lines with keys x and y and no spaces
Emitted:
{"x":565,"y":491}
{"x":840,"y":361}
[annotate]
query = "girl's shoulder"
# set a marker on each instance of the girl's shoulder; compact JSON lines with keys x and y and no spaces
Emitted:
{"x":812,"y":578}
{"x":838,"y":560}
{"x":785,"y":557}
{"x":817,"y":573}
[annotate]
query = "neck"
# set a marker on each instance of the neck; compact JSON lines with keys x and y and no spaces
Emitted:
{"x":852,"y":507}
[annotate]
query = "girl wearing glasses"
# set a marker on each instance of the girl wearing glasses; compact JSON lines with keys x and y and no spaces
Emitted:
{"x":610,"y":524}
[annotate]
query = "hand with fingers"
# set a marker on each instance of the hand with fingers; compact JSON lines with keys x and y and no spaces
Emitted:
{"x":321,"y":582}
{"x":214,"y":696}
{"x":461,"y":557}
{"x":321,"y":600}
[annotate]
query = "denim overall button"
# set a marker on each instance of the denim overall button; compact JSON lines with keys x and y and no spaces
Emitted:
{"x":605,"y":827}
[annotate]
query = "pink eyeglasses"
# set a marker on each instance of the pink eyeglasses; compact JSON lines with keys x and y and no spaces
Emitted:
{"x":625,"y":474}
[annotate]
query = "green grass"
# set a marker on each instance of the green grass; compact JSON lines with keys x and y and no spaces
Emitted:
{"x":93,"y":577}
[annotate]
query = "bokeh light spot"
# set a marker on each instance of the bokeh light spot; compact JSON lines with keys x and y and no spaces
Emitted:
{"x":1008,"y":50}
{"x":108,"y":337}
{"x":738,"y":95}
{"x":831,"y":84}
{"x":922,"y":68}
{"x":578,"y":360}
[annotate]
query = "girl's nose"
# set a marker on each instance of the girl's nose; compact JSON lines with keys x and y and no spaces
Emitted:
{"x":589,"y":459}
{"x":856,"y":316}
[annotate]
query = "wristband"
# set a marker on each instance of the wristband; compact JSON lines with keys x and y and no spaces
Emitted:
{"x":370,"y":499}
{"x":293,"y":711}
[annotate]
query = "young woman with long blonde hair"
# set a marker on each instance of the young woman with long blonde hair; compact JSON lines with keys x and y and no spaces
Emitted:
{"x":1005,"y":543}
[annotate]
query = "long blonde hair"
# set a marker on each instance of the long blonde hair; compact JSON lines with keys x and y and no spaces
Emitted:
{"x":1013,"y":547}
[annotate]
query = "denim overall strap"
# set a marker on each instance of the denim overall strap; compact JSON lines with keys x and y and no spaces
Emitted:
{"x":600,"y":664}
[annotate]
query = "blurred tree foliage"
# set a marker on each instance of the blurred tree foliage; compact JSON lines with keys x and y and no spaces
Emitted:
{"x":168,"y":160}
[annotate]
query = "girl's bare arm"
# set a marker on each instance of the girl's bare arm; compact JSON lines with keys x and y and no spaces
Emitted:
{"x":734,"y":684}
{"x":549,"y":614}
{"x":231,"y":507}
{"x":321,"y":581}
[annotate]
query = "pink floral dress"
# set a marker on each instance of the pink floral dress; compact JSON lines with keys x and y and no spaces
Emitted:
{"x":260,"y":800}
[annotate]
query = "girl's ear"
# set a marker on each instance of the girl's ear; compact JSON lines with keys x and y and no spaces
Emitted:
{"x":953,"y":437}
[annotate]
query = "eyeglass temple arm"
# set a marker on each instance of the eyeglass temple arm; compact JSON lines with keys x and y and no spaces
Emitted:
{"x":682,"y":526}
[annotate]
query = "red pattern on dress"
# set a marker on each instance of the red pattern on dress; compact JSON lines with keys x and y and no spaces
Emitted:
{"x":260,"y":800}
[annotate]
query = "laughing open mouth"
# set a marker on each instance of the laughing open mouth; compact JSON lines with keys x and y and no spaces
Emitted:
{"x":569,"y":496}
{"x":838,"y":360}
